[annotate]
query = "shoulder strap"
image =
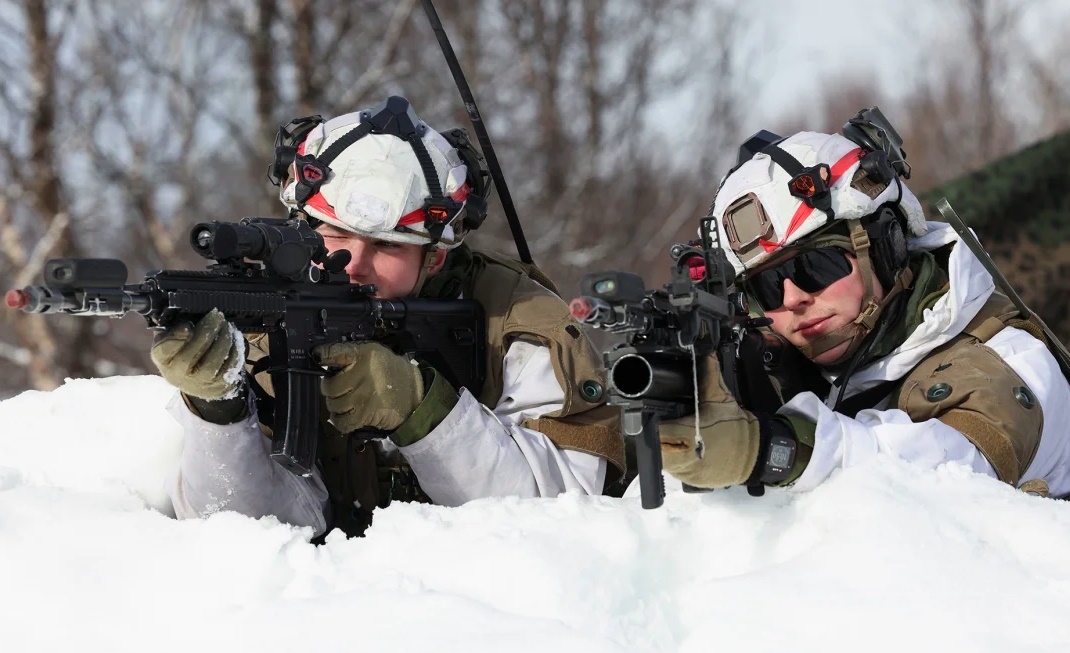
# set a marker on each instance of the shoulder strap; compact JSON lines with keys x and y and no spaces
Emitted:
{"x":993,"y":317}
{"x":1000,"y":312}
{"x":997,"y":313}
{"x":520,"y":301}
{"x":529,"y":269}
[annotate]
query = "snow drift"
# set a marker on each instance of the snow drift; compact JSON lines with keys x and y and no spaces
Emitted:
{"x":883,"y":557}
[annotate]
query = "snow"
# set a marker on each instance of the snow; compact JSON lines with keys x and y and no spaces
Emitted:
{"x":883,"y":557}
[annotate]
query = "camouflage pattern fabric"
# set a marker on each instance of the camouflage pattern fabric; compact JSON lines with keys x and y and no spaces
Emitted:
{"x":1020,"y":208}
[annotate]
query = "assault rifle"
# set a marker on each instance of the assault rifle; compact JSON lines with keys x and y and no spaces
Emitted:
{"x":274,"y":276}
{"x":653,"y":375}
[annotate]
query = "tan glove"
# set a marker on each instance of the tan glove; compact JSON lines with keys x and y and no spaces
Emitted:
{"x":374,"y":387}
{"x":203,"y":361}
{"x":730,"y":437}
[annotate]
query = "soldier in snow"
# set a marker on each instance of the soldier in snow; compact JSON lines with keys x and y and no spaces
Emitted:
{"x":920,"y":355}
{"x":536,"y":429}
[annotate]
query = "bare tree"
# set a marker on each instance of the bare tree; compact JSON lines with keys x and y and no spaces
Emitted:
{"x":961,"y":122}
{"x":580,"y":83}
{"x":38,"y":192}
{"x":957,"y":117}
{"x":157,"y":134}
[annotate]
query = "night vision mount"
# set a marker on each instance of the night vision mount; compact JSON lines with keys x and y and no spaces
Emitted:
{"x":872,"y":131}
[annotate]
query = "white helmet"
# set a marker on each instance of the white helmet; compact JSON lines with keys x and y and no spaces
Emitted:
{"x":793,"y":192}
{"x":761,"y":212}
{"x":382,"y":173}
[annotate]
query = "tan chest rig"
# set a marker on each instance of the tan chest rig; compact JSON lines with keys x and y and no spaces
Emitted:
{"x":359,"y":478}
{"x":967,"y":386}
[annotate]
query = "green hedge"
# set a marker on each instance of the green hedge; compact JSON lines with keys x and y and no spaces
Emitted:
{"x":1031,"y":187}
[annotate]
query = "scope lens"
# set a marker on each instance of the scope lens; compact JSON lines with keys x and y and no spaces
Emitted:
{"x":605,"y":286}
{"x":203,"y":238}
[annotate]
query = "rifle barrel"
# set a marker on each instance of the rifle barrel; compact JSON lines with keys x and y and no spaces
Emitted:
{"x":114,"y":302}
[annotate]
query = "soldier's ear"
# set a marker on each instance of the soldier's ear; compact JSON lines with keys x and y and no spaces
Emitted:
{"x":435,"y":260}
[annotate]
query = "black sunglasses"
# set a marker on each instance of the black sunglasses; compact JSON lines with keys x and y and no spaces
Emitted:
{"x":812,"y":271}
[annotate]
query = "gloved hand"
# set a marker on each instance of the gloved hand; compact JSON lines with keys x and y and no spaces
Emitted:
{"x":374,"y":387}
{"x":730,"y":435}
{"x":203,"y":360}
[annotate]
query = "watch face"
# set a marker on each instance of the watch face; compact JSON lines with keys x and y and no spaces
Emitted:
{"x":779,"y":455}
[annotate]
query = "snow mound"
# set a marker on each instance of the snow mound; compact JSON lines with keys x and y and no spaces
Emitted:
{"x":882,"y":557}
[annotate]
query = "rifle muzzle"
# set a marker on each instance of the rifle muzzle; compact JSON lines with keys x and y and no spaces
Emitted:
{"x":652,"y":376}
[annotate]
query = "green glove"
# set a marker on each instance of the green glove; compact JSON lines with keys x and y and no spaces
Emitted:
{"x":373,"y":387}
{"x":203,"y":360}
{"x":730,"y":437}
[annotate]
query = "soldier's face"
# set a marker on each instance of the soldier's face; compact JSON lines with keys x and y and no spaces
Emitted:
{"x":805,"y":317}
{"x":393,"y":267}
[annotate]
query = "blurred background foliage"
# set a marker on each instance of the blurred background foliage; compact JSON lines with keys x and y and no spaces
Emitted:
{"x":123,"y":122}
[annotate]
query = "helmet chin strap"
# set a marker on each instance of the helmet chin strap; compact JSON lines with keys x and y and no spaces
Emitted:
{"x":425,"y":268}
{"x":856,"y":331}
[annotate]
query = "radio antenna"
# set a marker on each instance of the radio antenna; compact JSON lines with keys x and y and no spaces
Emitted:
{"x":481,"y":131}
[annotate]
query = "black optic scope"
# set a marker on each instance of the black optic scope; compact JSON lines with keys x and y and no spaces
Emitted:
{"x":286,"y":247}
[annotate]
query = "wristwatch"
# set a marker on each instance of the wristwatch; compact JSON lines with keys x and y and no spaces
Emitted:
{"x":780,"y":456}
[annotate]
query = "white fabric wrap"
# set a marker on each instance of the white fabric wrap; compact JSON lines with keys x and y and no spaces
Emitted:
{"x":769,"y":183}
{"x":378,"y":180}
{"x":842,"y":441}
{"x":474,"y":453}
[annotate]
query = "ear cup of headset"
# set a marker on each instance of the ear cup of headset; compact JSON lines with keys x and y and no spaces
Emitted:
{"x":856,"y":135}
{"x":878,"y":167}
{"x":476,"y":204}
{"x":280,"y":166}
{"x":888,"y":246}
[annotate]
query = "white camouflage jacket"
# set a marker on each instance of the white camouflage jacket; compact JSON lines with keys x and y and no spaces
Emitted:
{"x":843,"y":441}
{"x":474,"y":453}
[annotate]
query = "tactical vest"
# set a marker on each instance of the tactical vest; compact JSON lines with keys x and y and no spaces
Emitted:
{"x":966,"y":385}
{"x":519,"y":302}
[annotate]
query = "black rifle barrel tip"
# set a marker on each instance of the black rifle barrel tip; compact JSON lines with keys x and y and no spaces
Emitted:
{"x":17,"y":299}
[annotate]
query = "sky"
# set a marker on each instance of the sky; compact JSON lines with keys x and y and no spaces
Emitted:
{"x":801,"y":47}
{"x":882,"y":557}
